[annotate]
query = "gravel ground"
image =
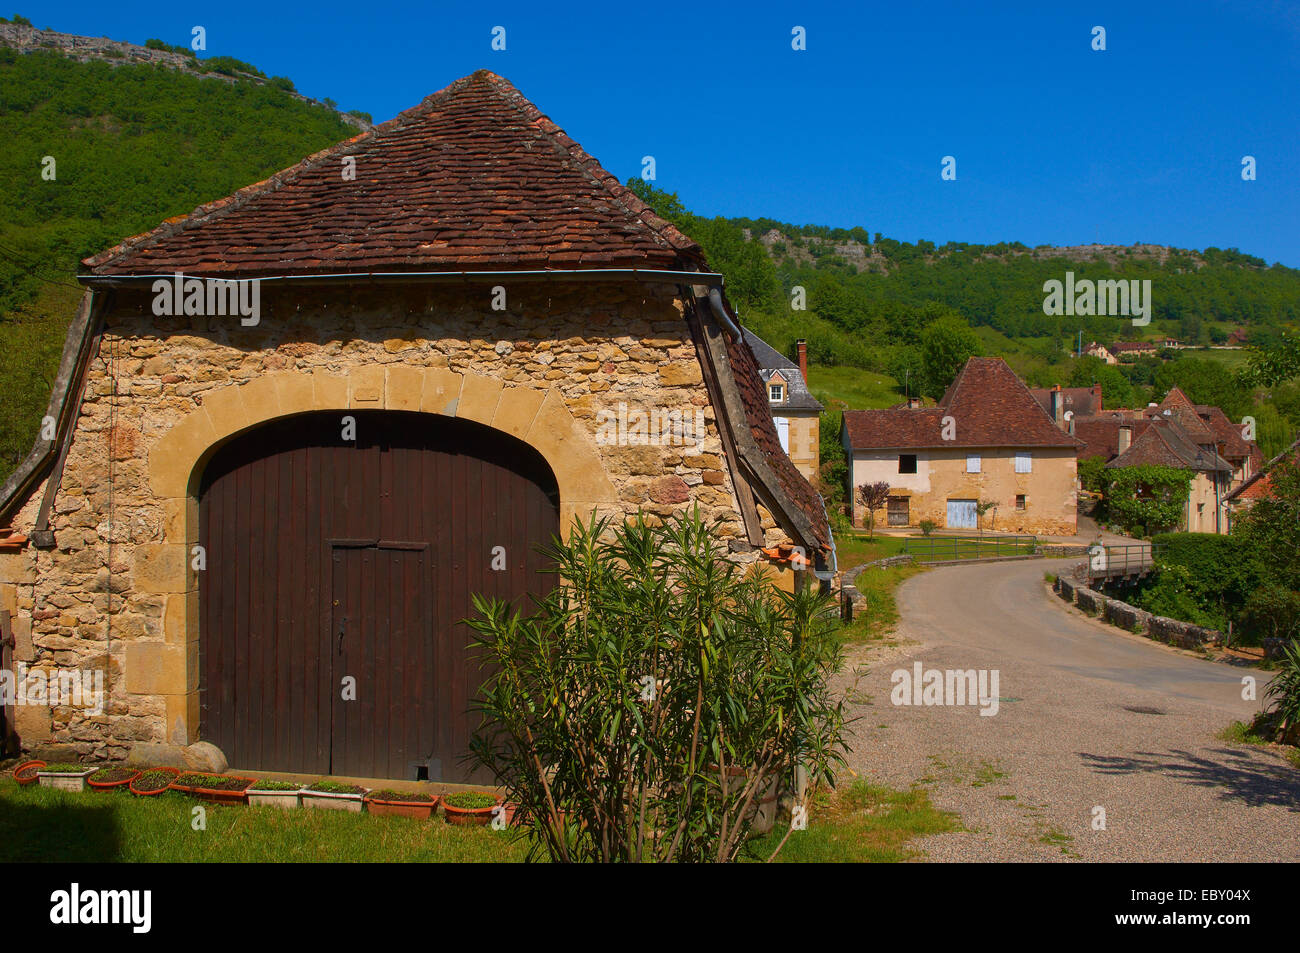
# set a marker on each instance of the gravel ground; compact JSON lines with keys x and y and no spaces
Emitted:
{"x":1028,"y":781}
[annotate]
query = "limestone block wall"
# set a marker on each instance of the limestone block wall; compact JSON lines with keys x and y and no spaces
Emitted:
{"x":118,"y":592}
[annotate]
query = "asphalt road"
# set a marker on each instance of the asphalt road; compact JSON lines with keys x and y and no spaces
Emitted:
{"x":1066,"y":748}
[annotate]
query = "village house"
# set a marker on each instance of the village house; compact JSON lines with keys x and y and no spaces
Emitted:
{"x":1127,"y":350}
{"x":1177,"y":433}
{"x":304,"y":477}
{"x":987,"y":440}
{"x":794,"y":409}
{"x":1100,"y":351}
{"x":1258,"y":486}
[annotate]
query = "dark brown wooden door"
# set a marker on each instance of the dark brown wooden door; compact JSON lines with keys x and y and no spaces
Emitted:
{"x":331,"y":559}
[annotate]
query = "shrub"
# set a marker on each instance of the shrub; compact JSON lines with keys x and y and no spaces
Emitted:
{"x":928,"y":527}
{"x":470,"y":800}
{"x":1202,"y":578}
{"x":1148,"y":496}
{"x":1285,"y":690}
{"x":651,"y":698}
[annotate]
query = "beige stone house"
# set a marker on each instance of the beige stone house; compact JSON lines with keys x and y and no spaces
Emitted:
{"x":795,"y":411}
{"x":1177,"y":433}
{"x":294,"y":432}
{"x":987,"y":440}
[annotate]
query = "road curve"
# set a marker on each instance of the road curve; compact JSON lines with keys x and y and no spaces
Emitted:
{"x":1095,"y":725}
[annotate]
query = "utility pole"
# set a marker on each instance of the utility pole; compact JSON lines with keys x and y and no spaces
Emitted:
{"x":1079,"y":353}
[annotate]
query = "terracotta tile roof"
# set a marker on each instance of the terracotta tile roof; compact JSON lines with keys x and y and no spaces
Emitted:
{"x":1081,"y":400}
{"x":1130,"y":347}
{"x":1260,"y":485}
{"x":744,"y":367}
{"x":1100,"y":432}
{"x":1227,"y":435}
{"x":473,"y":178}
{"x":991,"y":406}
{"x":1164,"y":443}
{"x":1178,"y":406}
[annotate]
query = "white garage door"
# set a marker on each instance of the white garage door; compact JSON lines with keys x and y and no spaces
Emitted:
{"x":961,"y":514}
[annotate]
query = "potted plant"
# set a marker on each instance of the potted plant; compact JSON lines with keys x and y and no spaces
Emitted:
{"x":333,"y":796}
{"x":65,"y":777}
{"x":153,"y":782}
{"x":469,"y":808}
{"x":221,"y":788}
{"x":27,"y":772}
{"x":114,"y":777}
{"x":268,"y":792}
{"x":401,"y":803}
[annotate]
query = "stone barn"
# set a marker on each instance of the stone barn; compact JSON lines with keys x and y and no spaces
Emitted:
{"x":294,"y":431}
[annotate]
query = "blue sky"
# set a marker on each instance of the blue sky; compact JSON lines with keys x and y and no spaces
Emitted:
{"x":1055,"y":143}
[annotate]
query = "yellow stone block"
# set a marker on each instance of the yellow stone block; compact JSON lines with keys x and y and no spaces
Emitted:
{"x":295,"y":392}
{"x":518,"y":409}
{"x":405,"y":385}
{"x":366,"y":387}
{"x":172,"y":458}
{"x":182,"y":713}
{"x":571,"y":454}
{"x":479,"y":397}
{"x":441,"y":391}
{"x":330,"y":390}
{"x":163,"y":567}
{"x":155,"y":668}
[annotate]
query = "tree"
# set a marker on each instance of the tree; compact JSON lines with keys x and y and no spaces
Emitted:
{"x":1273,"y":365}
{"x":654,"y":696}
{"x":1116,"y":389}
{"x":1272,"y":524}
{"x":873,"y":496}
{"x":946,"y":345}
{"x":1205,"y":382}
{"x":982,"y":507}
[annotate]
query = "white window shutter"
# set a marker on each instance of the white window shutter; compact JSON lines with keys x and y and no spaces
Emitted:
{"x":973,"y":463}
{"x":783,"y":432}
{"x":1024,"y":463}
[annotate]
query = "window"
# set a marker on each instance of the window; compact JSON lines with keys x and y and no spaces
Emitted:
{"x":1024,"y":463}
{"x":899,"y":511}
{"x":1020,"y":501}
{"x":907,"y":463}
{"x":776,"y":393}
{"x":973,"y":463}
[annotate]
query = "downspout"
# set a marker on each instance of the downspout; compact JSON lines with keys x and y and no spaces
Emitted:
{"x":828,"y":575}
{"x":720,"y":311}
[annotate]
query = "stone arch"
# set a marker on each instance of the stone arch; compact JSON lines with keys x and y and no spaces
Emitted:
{"x":169,"y":669}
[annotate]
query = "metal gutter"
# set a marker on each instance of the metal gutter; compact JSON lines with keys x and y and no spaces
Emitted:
{"x":711,"y":279}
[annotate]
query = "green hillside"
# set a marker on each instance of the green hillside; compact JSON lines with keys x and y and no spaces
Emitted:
{"x":132,"y":144}
{"x":876,"y":307}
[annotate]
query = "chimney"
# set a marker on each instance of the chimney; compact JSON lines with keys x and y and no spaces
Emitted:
{"x":1125,"y":438}
{"x":1057,"y":408}
{"x":1096,"y":394}
{"x":802,"y":346}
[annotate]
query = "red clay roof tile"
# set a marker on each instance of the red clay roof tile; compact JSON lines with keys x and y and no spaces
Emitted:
{"x":474,"y":178}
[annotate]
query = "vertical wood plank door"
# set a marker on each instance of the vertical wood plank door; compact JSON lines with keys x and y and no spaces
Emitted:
{"x":339,"y":573}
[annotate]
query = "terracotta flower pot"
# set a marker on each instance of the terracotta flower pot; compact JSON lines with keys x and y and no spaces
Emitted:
{"x":394,"y":808}
{"x":134,"y":788}
{"x":120,"y":784}
{"x":224,"y":794}
{"x":26,"y":773}
{"x":469,"y":816}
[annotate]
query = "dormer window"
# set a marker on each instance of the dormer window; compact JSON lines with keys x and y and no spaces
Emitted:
{"x":776,"y":393}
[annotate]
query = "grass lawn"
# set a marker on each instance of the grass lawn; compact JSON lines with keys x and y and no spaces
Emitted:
{"x":861,"y":823}
{"x":852,"y":387}
{"x":41,"y":824}
{"x":854,"y":549}
{"x":878,"y":588}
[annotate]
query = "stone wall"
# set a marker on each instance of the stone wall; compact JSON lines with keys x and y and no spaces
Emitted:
{"x":1121,"y":614}
{"x":117,"y":593}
